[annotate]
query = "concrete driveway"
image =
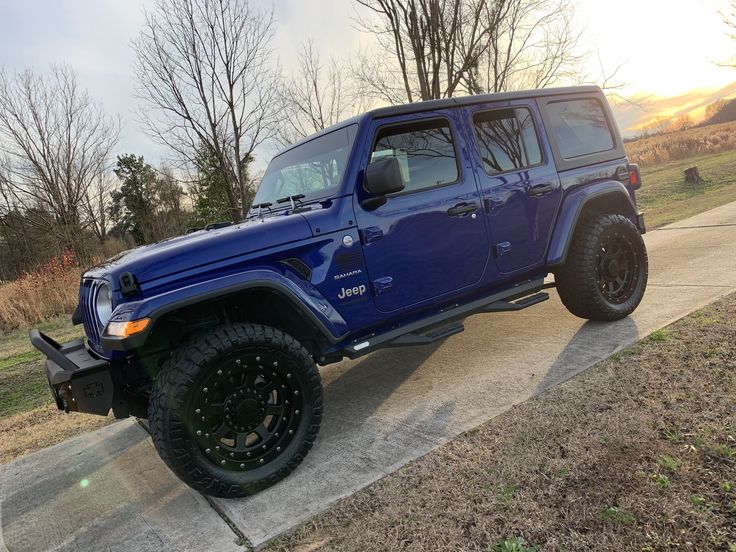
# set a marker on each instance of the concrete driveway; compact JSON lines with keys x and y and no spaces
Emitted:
{"x":108,"y":489}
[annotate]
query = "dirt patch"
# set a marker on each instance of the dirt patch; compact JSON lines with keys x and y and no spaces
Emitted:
{"x":28,"y":432}
{"x":637,"y":453}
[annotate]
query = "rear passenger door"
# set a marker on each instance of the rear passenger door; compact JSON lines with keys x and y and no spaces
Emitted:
{"x":519,"y":184}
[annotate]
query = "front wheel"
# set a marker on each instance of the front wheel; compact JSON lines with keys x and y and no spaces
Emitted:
{"x":606,"y":269}
{"x":236,"y":410}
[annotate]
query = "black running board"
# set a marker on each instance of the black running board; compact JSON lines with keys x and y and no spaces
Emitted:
{"x":449,"y":321}
{"x":524,"y":302}
{"x":430,"y":337}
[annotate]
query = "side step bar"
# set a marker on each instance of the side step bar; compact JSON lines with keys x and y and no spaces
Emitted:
{"x":524,"y":302}
{"x":430,"y":337}
{"x":443,"y":332}
{"x":449,"y":321}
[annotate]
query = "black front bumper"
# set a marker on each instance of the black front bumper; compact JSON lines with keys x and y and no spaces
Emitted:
{"x":79,"y":381}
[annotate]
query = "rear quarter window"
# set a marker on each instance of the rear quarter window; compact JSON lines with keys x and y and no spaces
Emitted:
{"x":579,"y":127}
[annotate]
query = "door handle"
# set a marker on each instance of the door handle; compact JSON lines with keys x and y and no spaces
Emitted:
{"x":462,"y":209}
{"x":542,"y":189}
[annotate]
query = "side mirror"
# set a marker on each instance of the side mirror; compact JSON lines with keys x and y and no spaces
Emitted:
{"x":383,"y":177}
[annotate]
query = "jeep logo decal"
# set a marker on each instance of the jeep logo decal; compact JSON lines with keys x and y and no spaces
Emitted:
{"x":351,"y":292}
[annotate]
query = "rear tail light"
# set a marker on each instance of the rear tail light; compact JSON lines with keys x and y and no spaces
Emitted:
{"x":634,"y":176}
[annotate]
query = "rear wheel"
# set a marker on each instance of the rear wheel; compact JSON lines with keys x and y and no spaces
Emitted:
{"x":606,"y":270}
{"x":236,"y":410}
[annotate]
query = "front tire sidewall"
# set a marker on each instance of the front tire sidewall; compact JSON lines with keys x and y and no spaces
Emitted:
{"x":172,"y":395}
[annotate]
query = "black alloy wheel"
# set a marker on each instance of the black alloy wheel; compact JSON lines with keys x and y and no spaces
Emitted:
{"x":244,"y":414}
{"x":617,"y":267}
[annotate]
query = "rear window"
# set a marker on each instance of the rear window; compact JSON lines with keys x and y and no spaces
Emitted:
{"x":580,"y":127}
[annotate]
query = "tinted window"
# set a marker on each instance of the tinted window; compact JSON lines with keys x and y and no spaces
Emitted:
{"x":425,"y":152}
{"x":506,"y":140}
{"x":580,"y":127}
{"x":314,"y":168}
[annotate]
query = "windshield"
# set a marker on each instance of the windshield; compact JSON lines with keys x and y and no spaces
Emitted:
{"x":314,"y":169}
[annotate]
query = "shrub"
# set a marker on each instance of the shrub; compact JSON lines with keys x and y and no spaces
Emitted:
{"x":35,"y":297}
{"x":683,"y":144}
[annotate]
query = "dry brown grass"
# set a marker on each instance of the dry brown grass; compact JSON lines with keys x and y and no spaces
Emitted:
{"x":28,"y":432}
{"x":637,"y":453}
{"x":36,"y":297}
{"x":683,"y":144}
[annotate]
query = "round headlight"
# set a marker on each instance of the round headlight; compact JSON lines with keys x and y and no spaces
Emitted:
{"x":104,"y":303}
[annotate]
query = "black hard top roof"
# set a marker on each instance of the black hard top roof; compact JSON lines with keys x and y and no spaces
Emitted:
{"x":429,"y":105}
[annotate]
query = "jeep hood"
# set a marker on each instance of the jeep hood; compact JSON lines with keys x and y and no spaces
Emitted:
{"x":204,"y":248}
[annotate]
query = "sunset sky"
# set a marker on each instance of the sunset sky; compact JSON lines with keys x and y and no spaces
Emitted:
{"x":668,"y":48}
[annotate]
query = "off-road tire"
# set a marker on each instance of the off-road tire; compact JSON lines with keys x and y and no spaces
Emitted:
{"x":173,"y":431}
{"x":578,"y":280}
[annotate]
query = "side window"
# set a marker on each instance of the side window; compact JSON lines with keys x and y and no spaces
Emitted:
{"x":425,"y":151}
{"x":579,"y":127}
{"x":506,"y":140}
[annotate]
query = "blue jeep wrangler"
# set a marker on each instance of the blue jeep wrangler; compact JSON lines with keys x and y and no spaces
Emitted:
{"x":385,"y":230}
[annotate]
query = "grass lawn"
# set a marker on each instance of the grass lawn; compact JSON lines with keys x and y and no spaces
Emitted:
{"x":665,"y":197}
{"x":636,"y":453}
{"x":29,"y":420}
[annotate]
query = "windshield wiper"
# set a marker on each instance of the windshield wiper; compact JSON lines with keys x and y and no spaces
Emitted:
{"x":260,"y":206}
{"x":292,"y":199}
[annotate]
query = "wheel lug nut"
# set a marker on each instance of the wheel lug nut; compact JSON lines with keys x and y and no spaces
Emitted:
{"x":219,"y":372}
{"x":296,"y":392}
{"x":278,"y":449}
{"x":222,"y":462}
{"x":247,"y":454}
{"x":291,"y":432}
{"x":275,"y":363}
{"x":199,"y":432}
{"x":204,"y":390}
{"x":264,"y":447}
{"x":261,"y":460}
{"x":207,"y":451}
{"x":296,"y":412}
{"x":242,"y":466}
{"x":203,"y":418}
{"x":217,"y":448}
{"x":288,"y":376}
{"x":232,"y":455}
{"x":197,"y":411}
{"x":238,"y":361}
{"x":258,"y":359}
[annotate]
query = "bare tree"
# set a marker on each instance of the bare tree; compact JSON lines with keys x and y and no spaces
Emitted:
{"x":435,"y":44}
{"x":534,"y":45}
{"x":207,"y":79}
{"x":444,"y":47}
{"x":57,"y":142}
{"x":729,"y":20}
{"x":96,"y":202}
{"x":315,"y":97}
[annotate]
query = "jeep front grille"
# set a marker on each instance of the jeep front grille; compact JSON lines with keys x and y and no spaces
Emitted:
{"x":87,"y":299}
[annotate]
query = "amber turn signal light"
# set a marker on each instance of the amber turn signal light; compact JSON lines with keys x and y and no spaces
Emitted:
{"x":125,"y":329}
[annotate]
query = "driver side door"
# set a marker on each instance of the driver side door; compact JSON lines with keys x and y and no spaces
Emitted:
{"x":429,"y":241}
